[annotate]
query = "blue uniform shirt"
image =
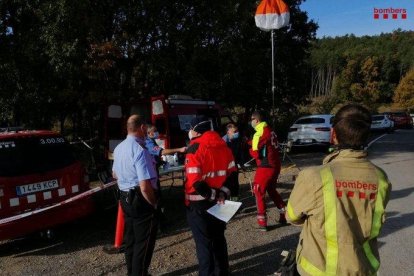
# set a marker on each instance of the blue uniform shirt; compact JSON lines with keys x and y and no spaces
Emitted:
{"x":152,"y":147}
{"x":133,"y":163}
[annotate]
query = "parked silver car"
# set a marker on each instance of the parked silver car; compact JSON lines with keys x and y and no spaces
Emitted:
{"x":382,"y":123}
{"x":312,"y":129}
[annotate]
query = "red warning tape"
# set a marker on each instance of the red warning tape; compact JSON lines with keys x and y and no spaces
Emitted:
{"x":79,"y":196}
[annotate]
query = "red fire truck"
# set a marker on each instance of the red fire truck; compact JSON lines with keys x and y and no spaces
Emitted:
{"x":171,"y":115}
{"x":38,"y":171}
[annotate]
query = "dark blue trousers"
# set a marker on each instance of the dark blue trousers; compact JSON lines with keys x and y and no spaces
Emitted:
{"x":141,"y":224}
{"x":211,"y":245}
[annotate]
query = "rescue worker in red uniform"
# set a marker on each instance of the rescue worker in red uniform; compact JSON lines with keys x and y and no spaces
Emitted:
{"x":265,"y":150}
{"x":210,"y":169}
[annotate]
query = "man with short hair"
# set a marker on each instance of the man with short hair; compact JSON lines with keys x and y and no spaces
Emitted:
{"x":341,"y":204}
{"x":134,"y":169}
{"x":210,"y":171}
{"x":265,"y":150}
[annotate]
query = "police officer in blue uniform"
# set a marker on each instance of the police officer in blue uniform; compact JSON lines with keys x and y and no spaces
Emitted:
{"x":134,"y":168}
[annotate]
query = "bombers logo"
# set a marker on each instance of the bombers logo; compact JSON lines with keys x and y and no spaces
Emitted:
{"x":390,"y":13}
{"x":361,"y":189}
{"x":355,"y":185}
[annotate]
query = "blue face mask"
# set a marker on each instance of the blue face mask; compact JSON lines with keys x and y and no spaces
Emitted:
{"x":235,"y":135}
{"x":156,"y":135}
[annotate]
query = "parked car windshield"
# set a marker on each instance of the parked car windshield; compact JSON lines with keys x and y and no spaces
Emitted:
{"x":308,"y":121}
{"x":29,"y":155}
{"x":378,"y":117}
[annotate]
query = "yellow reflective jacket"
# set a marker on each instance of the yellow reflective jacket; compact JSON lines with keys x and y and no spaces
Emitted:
{"x":341,"y":206}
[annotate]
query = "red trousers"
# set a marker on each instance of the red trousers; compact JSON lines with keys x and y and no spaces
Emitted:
{"x":265,"y":180}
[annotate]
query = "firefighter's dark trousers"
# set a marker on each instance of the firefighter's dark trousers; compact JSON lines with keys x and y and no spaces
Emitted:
{"x":141,"y":225}
{"x":211,"y":245}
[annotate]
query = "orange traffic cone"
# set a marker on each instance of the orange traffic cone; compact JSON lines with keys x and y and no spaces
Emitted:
{"x":119,"y":234}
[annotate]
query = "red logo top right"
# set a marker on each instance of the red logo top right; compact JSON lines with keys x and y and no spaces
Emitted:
{"x":390,"y":13}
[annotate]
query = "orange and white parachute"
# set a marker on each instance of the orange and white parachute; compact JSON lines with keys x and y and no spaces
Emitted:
{"x":272,"y":14}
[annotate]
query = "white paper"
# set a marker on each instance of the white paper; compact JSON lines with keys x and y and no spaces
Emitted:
{"x":225,"y":211}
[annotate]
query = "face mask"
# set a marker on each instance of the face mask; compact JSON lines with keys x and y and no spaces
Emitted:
{"x":156,"y":135}
{"x":235,"y":135}
{"x":190,"y":135}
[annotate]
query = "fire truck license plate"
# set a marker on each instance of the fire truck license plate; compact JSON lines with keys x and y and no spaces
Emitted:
{"x":37,"y":187}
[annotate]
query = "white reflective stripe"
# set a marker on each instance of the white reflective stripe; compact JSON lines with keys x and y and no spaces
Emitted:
{"x":231,"y":164}
{"x":226,"y":190}
{"x":261,"y":217}
{"x":75,"y":189}
{"x":215,"y":174}
{"x":62,"y":192}
{"x":194,"y":197}
{"x":221,"y":173}
{"x":31,"y":198}
{"x":14,"y":202}
{"x":1,"y":192}
{"x":47,"y":195}
{"x":193,"y":170}
{"x":199,"y":197}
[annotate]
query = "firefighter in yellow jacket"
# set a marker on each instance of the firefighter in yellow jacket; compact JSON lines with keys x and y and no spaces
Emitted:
{"x":341,"y":204}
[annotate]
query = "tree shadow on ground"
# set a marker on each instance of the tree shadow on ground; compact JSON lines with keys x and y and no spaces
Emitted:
{"x":395,"y":222}
{"x":396,"y":194}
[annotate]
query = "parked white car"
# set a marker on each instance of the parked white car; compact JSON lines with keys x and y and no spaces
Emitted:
{"x":312,"y":129}
{"x":382,"y":123}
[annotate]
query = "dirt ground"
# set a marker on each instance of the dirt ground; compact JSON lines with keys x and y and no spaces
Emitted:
{"x":77,"y":247}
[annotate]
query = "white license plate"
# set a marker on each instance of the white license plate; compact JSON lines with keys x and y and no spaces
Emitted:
{"x":306,"y":140}
{"x":37,"y":187}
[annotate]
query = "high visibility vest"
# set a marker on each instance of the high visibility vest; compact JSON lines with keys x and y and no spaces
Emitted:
{"x":329,"y":197}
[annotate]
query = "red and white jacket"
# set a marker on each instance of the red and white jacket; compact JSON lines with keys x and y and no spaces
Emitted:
{"x":265,"y":147}
{"x":208,"y":159}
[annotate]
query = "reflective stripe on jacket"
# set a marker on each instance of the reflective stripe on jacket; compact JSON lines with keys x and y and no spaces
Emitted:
{"x":265,"y":147}
{"x":208,"y":159}
{"x":341,"y":206}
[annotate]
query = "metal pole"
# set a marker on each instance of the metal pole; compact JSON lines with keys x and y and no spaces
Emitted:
{"x":273,"y":77}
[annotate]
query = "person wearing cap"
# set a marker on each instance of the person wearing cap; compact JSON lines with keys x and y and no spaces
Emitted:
{"x":210,"y":169}
{"x":265,"y":150}
{"x":134,"y":169}
{"x":341,"y":204}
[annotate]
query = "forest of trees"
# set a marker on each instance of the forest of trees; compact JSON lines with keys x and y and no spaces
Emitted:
{"x":63,"y":60}
{"x":373,"y":70}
